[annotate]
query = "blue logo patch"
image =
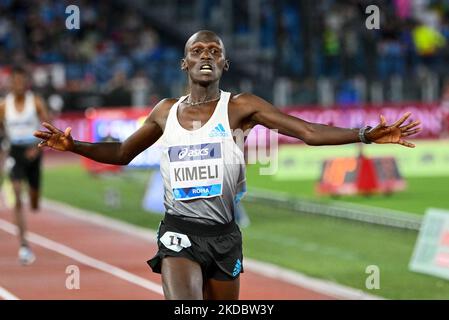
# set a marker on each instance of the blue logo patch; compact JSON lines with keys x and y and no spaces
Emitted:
{"x":218,"y":131}
{"x":203,"y":191}
{"x":237,"y":268}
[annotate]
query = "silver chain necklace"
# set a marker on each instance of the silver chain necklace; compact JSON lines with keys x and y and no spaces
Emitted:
{"x":201,"y":102}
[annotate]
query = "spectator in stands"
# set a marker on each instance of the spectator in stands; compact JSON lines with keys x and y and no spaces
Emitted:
{"x":332,"y":45}
{"x":117,"y":92}
{"x":121,"y":36}
{"x":391,"y":51}
{"x":428,"y":42}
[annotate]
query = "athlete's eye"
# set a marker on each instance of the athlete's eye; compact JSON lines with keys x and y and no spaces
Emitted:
{"x":196,"y":51}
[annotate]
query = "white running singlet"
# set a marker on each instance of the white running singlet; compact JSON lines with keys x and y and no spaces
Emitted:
{"x":203,"y":169}
{"x":20,"y":126}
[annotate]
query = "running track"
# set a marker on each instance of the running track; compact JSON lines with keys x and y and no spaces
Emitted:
{"x":112,"y":264}
{"x":111,"y":261}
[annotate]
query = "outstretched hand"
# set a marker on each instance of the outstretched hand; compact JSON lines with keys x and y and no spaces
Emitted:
{"x":55,"y":138}
{"x":394,"y":133}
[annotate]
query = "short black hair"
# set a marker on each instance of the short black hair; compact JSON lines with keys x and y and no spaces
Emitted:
{"x":18,"y":70}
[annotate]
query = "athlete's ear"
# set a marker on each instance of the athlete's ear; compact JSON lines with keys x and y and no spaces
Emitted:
{"x":227,"y":65}
{"x":183,"y":64}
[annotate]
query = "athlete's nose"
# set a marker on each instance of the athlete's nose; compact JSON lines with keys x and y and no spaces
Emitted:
{"x":206,"y":55}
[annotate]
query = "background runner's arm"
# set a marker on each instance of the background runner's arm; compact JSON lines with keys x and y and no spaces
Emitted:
{"x":2,"y":115}
{"x":42,"y":110}
{"x":316,"y":134}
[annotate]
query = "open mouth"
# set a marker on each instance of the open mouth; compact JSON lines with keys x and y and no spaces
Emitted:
{"x":207,"y":68}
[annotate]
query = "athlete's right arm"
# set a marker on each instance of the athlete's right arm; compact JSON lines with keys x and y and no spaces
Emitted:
{"x":118,"y":153}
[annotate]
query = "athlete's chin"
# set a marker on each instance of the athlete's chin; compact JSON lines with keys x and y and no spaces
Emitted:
{"x":203,"y":81}
{"x":19,"y":92}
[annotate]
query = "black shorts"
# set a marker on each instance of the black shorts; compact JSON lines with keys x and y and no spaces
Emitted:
{"x":25,"y":169}
{"x":216,"y":248}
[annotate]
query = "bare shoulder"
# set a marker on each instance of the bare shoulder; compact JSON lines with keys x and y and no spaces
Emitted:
{"x":249,"y":104}
{"x":160,"y":112}
{"x":248,"y":101}
{"x":40,"y":102}
{"x":243,"y":99}
{"x":166,"y":103}
{"x":243,"y":102}
{"x":163,"y":107}
{"x":39,"y":98}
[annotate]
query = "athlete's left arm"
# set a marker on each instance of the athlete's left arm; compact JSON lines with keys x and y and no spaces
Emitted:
{"x":264,"y":113}
{"x":42,"y":109}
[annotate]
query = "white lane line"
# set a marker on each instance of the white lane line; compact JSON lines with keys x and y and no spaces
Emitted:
{"x":85,"y":259}
{"x":263,"y":268}
{"x":98,"y":219}
{"x":318,"y":285}
{"x":5,"y":294}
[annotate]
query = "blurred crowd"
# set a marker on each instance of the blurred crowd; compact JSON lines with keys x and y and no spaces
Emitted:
{"x":114,"y":51}
{"x":412,"y":34}
{"x":120,"y":53}
{"x":412,"y":44}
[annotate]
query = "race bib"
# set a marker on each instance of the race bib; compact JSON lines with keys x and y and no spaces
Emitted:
{"x":196,"y":171}
{"x":175,"y":241}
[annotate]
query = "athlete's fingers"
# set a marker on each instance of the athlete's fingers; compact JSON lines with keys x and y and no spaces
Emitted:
{"x":402,"y":119}
{"x":51,"y":128}
{"x":42,"y":134}
{"x":42,"y":144}
{"x":406,"y":143}
{"x":380,"y":125}
{"x":410,"y":132}
{"x":383,"y":122}
{"x":67,"y":131}
{"x":410,"y":125}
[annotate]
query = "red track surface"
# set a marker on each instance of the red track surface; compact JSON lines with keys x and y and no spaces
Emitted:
{"x":46,"y":278}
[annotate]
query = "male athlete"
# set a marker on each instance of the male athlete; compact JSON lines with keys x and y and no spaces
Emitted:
{"x":21,"y":113}
{"x":200,"y":246}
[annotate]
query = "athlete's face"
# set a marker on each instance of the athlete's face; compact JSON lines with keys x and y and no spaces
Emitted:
{"x":204,"y":58}
{"x":18,"y":83}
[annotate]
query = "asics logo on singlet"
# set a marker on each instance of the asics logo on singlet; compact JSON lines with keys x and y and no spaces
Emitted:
{"x":193,"y":152}
{"x":202,"y":151}
{"x":218,"y":131}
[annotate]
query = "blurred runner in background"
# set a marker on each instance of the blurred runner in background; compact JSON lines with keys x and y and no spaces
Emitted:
{"x":21,"y":113}
{"x":3,"y":157}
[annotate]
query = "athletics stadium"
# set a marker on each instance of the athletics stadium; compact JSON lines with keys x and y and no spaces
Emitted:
{"x":353,"y":221}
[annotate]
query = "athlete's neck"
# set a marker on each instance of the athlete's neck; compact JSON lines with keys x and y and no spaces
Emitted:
{"x":200,"y":93}
{"x":19,"y":97}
